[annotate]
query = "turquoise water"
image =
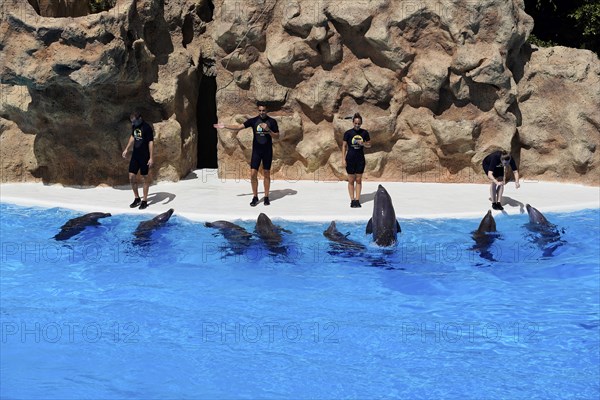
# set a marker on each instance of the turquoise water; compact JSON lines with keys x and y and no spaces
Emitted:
{"x":185,"y":317}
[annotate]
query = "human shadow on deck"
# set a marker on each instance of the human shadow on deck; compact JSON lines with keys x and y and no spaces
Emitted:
{"x":508,"y":201}
{"x":159,"y":197}
{"x":275,"y":194}
{"x":365,"y":198}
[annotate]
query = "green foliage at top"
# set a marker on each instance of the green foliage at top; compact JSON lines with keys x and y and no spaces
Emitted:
{"x":571,"y":23}
{"x":588,"y":18}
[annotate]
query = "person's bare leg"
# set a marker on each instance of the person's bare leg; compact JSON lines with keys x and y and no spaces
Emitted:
{"x":493,"y":192}
{"x":499,"y":196}
{"x":267,"y":181}
{"x":351,"y":180}
{"x":358,"y":186}
{"x":147,"y":179}
{"x":134,"y":185}
{"x":254,"y":181}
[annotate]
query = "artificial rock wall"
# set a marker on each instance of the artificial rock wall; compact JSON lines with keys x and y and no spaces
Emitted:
{"x":439,"y":84}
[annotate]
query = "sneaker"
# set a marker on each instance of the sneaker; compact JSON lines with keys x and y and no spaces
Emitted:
{"x":499,"y":206}
{"x":494,"y":206}
{"x":254,"y":201}
{"x":136,"y":202}
{"x":143,"y":205}
{"x":266,"y":201}
{"x":354,"y":204}
{"x":357,"y":204}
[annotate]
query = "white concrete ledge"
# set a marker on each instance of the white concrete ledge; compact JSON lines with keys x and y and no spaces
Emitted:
{"x":204,"y":197}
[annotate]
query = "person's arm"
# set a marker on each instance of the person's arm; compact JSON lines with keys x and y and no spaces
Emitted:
{"x":366,"y":142}
{"x":129,"y":144}
{"x":274,"y":134}
{"x":344,"y":151}
{"x":491,"y":176}
{"x":151,"y":148}
{"x":232,"y":127}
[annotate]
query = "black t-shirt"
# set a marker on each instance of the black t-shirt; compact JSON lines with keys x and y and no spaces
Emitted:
{"x":261,"y":138}
{"x":493,"y":163}
{"x":355,"y":150}
{"x":143,"y":135}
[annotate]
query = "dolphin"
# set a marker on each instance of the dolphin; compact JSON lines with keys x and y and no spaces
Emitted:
{"x":77,"y":225}
{"x":536,"y":218}
{"x":340,"y":240}
{"x":238,"y":237}
{"x":545,"y":234}
{"x":145,"y":228}
{"x":484,"y":236}
{"x":269,"y":233}
{"x":383,"y":225}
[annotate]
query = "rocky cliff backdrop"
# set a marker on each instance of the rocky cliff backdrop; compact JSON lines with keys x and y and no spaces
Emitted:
{"x":439,"y":83}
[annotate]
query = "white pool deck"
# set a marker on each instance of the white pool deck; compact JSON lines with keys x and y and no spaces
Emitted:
{"x":202,"y":196}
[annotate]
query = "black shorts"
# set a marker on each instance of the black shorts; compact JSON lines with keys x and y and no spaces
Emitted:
{"x":139,"y":164}
{"x":493,"y":174}
{"x":262,"y":154}
{"x":355,"y":166}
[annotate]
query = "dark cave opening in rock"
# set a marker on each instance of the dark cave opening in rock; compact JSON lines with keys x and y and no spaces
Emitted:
{"x":206,"y":116}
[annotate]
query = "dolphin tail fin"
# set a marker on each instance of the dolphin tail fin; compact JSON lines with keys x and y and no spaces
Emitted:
{"x":370,"y":226}
{"x":398,"y":226}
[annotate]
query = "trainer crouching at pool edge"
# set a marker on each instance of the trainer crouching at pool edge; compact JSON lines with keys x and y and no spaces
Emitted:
{"x":493,"y":166}
{"x":265,"y":129}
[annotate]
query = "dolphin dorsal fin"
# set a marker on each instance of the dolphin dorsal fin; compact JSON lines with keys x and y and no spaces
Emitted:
{"x":370,"y":226}
{"x":398,"y":226}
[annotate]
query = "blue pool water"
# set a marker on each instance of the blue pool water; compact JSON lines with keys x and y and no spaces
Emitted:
{"x":183,"y":317}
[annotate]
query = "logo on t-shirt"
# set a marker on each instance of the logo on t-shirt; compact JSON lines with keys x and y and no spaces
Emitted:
{"x":138,"y":136}
{"x":356,"y":140}
{"x":261,"y":135}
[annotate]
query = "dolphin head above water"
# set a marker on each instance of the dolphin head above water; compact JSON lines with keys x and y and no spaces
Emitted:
{"x":331,"y":231}
{"x":536,"y":217}
{"x":263,"y":221}
{"x":488,"y":223}
{"x":164,"y":217}
{"x":266,"y":229}
{"x":98,"y":215}
{"x":383,"y":223}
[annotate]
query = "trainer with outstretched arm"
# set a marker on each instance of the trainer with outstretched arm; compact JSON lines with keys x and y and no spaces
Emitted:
{"x":265,"y":129}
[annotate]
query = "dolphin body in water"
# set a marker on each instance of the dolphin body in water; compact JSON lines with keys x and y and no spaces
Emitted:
{"x":76,"y":225}
{"x":270,"y":234}
{"x":238,"y":237}
{"x":484,"y":236}
{"x":341,"y":241}
{"x":383,"y":224}
{"x":145,"y":228}
{"x":544,"y":234}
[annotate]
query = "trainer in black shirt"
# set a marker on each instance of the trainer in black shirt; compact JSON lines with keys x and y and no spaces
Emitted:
{"x":142,"y":140}
{"x":493,"y":166}
{"x":353,"y":158}
{"x":264,"y":129}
